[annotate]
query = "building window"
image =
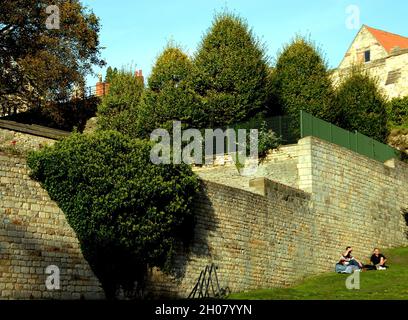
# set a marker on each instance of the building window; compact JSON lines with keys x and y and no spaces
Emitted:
{"x":367,"y":56}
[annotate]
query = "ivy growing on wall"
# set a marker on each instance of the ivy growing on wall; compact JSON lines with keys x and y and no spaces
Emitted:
{"x":127,"y":212}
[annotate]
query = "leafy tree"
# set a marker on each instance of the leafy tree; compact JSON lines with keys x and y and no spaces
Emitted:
{"x":110,"y":74}
{"x":361,"y":106}
{"x":127,"y":212}
{"x":119,"y":108}
{"x":301,"y":81}
{"x":232,"y":71}
{"x":170,"y":95}
{"x":47,"y":63}
{"x":397,"y":111}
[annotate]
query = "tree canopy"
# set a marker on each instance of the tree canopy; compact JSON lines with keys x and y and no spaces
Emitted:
{"x":232,"y":71}
{"x":361,"y":106}
{"x":301,"y":81}
{"x":118,"y":109}
{"x":170,"y":94}
{"x":45,"y":61}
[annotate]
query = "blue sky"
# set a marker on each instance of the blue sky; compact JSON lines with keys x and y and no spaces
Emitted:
{"x":135,"y":31}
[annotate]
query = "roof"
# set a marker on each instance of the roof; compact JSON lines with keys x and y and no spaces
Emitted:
{"x":389,"y":40}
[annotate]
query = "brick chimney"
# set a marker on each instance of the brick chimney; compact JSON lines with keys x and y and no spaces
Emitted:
{"x":102,"y":88}
{"x":139,"y":74}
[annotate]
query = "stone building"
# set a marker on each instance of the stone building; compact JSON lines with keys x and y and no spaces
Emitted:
{"x":384,"y":55}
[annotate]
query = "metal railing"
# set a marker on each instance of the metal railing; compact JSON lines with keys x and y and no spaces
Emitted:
{"x":207,"y":285}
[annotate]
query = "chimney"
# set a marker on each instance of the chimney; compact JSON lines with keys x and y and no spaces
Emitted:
{"x":139,"y":74}
{"x":101,"y":87}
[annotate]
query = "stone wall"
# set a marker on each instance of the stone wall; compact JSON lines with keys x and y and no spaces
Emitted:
{"x":256,"y":241}
{"x":20,"y":143}
{"x":279,"y":165}
{"x":356,"y":200}
{"x":274,"y":235}
{"x":33,"y":235}
{"x":259,"y":232}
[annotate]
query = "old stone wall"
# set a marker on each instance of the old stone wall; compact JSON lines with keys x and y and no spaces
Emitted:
{"x":34,"y":234}
{"x":292,"y":219}
{"x":20,"y":143}
{"x":256,"y":241}
{"x":357,"y":201}
{"x":273,"y":235}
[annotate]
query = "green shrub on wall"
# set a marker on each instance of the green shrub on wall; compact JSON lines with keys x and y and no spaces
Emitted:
{"x":127,"y":212}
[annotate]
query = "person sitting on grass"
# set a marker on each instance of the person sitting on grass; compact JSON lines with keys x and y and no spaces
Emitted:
{"x":347,"y":263}
{"x":378,"y":260}
{"x":350,"y":260}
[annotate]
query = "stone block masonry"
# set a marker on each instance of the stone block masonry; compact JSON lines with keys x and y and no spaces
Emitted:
{"x":293,"y":219}
{"x":273,"y":234}
{"x":33,"y":235}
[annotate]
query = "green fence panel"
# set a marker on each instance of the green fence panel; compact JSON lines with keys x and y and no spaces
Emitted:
{"x":312,"y":126}
{"x":352,"y":141}
{"x":322,"y":129}
{"x":365,"y":145}
{"x":306,"y":124}
{"x":341,"y":137}
{"x":383,"y":152}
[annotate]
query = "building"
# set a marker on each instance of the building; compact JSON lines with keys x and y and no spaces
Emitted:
{"x":384,"y":55}
{"x":102,"y":87}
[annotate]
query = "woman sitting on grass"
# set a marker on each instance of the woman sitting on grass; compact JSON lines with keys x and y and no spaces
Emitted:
{"x":347,"y":263}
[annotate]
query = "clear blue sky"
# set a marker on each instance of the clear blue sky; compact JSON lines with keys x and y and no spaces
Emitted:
{"x":135,"y":31}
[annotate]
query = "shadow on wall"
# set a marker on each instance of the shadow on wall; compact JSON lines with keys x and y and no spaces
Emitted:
{"x":204,"y":221}
{"x":405,"y":215}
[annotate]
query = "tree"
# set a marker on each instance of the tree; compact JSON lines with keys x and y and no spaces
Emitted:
{"x":118,"y":109}
{"x":170,"y":95}
{"x":110,"y":74}
{"x":301,"y":81}
{"x":232,"y":71}
{"x":397,"y":112}
{"x":47,"y":62}
{"x":361,"y":106}
{"x":127,"y":212}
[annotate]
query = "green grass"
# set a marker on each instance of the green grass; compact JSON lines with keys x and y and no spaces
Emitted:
{"x":391,"y":284}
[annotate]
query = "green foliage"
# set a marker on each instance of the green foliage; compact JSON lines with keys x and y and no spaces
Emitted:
{"x":127,"y":212}
{"x":360,"y":106}
{"x":397,"y":112}
{"x":50,"y":61}
{"x":232,"y":72}
{"x":119,"y":108}
{"x":110,"y":74}
{"x":300,"y":81}
{"x":375,"y":285}
{"x":267,"y":140}
{"x":170,"y":95}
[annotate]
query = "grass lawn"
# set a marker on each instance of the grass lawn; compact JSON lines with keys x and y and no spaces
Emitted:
{"x":391,"y":284}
